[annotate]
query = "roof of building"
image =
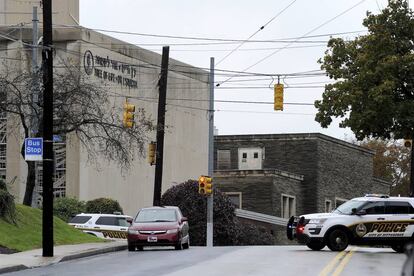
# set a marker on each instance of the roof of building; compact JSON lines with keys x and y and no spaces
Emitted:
{"x":96,"y":39}
{"x":264,"y":172}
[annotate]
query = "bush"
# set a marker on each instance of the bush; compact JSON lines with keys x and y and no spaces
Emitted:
{"x":66,"y":208}
{"x":193,"y":205}
{"x":103,"y":206}
{"x":7,"y":206}
{"x":254,"y":235}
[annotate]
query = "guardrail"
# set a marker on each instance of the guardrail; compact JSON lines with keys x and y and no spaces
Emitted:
{"x":261,"y":217}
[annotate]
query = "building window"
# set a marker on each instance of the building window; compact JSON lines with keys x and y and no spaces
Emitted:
{"x":339,"y":201}
{"x":223,"y":159}
{"x":328,"y":206}
{"x":256,"y":155}
{"x":288,"y":206}
{"x":235,"y":198}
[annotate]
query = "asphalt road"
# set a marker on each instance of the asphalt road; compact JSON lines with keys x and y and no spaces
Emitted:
{"x":229,"y":261}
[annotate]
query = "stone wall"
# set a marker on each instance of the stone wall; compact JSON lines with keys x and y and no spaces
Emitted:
{"x":261,"y":190}
{"x":332,"y":169}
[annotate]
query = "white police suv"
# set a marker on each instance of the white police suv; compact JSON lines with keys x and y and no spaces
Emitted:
{"x":369,"y":220}
{"x":107,"y":226}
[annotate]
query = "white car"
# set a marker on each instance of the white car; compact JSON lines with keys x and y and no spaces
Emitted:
{"x":108,"y":226}
{"x":369,"y":220}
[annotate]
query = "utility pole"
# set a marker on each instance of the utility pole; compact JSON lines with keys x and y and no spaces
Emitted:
{"x":34,"y":122}
{"x":210,"y":198}
{"x":47,"y":57}
{"x":162,"y":84}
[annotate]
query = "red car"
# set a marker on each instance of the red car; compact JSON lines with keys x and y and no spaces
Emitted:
{"x":159,"y":226}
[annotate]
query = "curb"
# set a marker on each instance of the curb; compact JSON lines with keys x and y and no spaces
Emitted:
{"x":89,"y":253}
{"x":93,"y":253}
{"x":13,"y":268}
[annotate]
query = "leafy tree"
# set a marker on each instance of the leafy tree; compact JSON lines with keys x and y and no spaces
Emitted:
{"x":82,"y":108}
{"x":391,"y":163}
{"x":228,"y":230}
{"x":103,"y":206}
{"x":66,"y":208}
{"x":373,"y":89}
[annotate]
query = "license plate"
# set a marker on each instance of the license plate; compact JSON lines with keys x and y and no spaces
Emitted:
{"x":152,"y":239}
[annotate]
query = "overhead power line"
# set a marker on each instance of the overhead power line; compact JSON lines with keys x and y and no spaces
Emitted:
{"x":256,"y":32}
{"x":308,"y":33}
{"x":222,"y":40}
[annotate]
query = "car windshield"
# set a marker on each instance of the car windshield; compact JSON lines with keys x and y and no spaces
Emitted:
{"x":156,"y":215}
{"x":347,"y":207}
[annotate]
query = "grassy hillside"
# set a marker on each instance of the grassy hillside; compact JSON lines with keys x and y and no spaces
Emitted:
{"x":27,"y":233}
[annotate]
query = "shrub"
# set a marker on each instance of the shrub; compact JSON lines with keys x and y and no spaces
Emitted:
{"x":254,"y":235}
{"x":7,"y":206}
{"x":103,"y":206}
{"x":66,"y":208}
{"x":193,"y":205}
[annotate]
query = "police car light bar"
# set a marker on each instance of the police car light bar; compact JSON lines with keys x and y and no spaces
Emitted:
{"x":377,"y":195}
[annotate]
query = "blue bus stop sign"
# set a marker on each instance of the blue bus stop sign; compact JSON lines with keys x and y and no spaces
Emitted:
{"x":33,"y":149}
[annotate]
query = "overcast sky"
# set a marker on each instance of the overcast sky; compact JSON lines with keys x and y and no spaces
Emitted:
{"x":225,"y":19}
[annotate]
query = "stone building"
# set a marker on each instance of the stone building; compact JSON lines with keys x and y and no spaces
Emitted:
{"x":281,"y":175}
{"x":127,"y":71}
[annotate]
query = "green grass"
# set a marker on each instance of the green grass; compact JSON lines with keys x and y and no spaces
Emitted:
{"x":27,"y":233}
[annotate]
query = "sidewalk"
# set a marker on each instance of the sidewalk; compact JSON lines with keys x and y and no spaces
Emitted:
{"x":33,"y":258}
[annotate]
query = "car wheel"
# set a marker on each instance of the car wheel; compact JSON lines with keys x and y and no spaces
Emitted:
{"x":338,"y":240}
{"x":399,"y":248}
{"x":315,"y":245}
{"x":131,"y":247}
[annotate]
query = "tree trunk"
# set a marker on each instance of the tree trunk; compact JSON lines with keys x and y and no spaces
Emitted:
{"x":30,"y":183}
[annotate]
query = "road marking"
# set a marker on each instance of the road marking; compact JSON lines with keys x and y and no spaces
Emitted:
{"x":343,"y":263}
{"x":340,"y":261}
{"x":332,"y":264}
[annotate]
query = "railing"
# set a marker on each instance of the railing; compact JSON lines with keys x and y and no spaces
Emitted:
{"x":261,"y":217}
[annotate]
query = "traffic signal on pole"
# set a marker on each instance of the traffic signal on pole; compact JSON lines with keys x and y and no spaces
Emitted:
{"x":205,"y":185}
{"x":278,"y":101}
{"x":151,"y":153}
{"x":408,"y":143}
{"x":128,"y":118}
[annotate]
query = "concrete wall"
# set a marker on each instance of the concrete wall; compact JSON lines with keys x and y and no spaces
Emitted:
{"x":13,"y":12}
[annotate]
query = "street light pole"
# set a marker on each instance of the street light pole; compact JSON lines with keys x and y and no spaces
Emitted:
{"x":210,"y":201}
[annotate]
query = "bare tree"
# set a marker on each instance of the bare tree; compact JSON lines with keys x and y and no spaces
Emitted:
{"x":81,"y":107}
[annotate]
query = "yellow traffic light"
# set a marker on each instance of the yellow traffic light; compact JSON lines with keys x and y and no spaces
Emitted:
{"x":151,"y":153}
{"x":209,"y":186}
{"x":128,"y":118}
{"x":205,"y":185}
{"x":278,"y":93}
{"x":408,"y":143}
